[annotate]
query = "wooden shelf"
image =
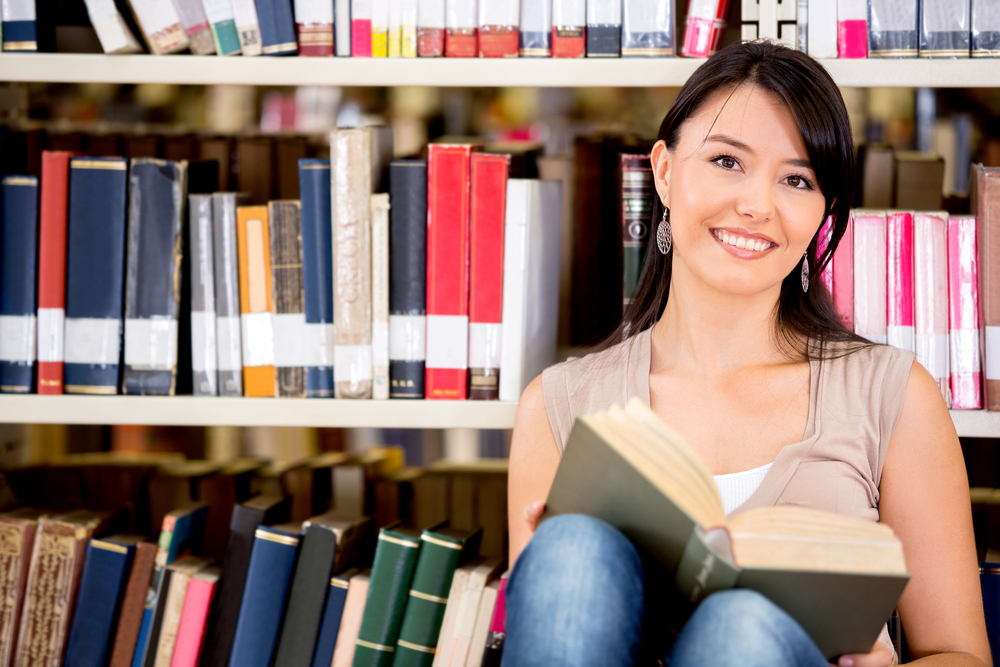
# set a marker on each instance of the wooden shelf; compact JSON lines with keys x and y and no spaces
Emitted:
{"x":468,"y":72}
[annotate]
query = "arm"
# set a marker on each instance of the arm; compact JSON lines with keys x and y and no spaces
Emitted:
{"x":924,"y":497}
{"x":534,"y":458}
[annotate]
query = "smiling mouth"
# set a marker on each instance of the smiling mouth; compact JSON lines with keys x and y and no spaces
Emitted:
{"x":742,"y":242}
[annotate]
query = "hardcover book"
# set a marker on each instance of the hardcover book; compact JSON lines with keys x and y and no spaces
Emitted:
{"x":986,"y":206}
{"x":945,"y":29}
{"x":703,"y":27}
{"x":194,"y":616}
{"x":18,"y":269}
{"x":111,"y":28}
{"x":985,"y":29}
{"x":196,"y":26}
{"x":342,"y":28}
{"x":892,"y":29}
{"x":380,"y":296}
{"x":963,"y":313}
{"x":604,"y":28}
{"x":222,"y":21}
{"x":459,"y":582}
{"x":498,"y":28}
{"x":204,"y":365}
{"x":407,"y":11}
{"x":458,"y":649}
{"x":637,"y":195}
{"x":361,"y":28}
{"x":181,"y":572}
{"x":930,"y":274}
{"x":227,"y":291}
{"x":496,"y":629}
{"x":350,"y":623}
{"x":19,"y":25}
{"x":569,"y":28}
{"x":822,"y":29}
{"x":852,"y":28}
{"x":869,"y":275}
{"x":290,"y":319}
{"x":461,"y":23}
{"x":17,"y":534}
{"x":380,"y":28}
{"x":647,"y":28}
{"x":277,"y":27}
{"x":256,"y":300}
{"x":248,"y":27}
{"x":839,"y":577}
{"x":317,"y":271}
{"x":133,"y":600}
{"x":54,"y":207}
{"x":333,"y":612}
{"x":535,"y":37}
{"x":899,"y":278}
{"x":430,"y":28}
{"x":160,"y":25}
{"x":314,"y":21}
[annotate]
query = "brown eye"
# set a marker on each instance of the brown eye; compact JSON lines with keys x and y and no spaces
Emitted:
{"x":728,"y":162}
{"x":794,"y":181}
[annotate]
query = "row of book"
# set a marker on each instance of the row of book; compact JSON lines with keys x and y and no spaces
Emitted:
{"x":446,"y":293}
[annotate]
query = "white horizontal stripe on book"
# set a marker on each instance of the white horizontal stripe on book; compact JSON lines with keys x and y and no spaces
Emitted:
{"x":933,"y":354}
{"x":407,"y":337}
{"x":352,"y":363}
{"x":151,"y":343}
{"x":484,"y":344}
{"x":17,"y":338}
{"x":965,"y":351}
{"x":218,"y":10}
{"x":320,"y":340}
{"x":992,"y":353}
{"x":203,"y":341}
{"x":447,"y":341}
{"x":290,"y":340}
{"x":51,"y":326}
{"x":900,"y":338}
{"x":18,"y":10}
{"x":380,"y":343}
{"x":314,"y":11}
{"x":430,"y":14}
{"x":258,"y":339}
{"x":92,"y":340}
{"x":228,"y":347}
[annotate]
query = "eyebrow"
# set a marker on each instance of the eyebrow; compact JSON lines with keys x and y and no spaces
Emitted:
{"x":736,"y":143}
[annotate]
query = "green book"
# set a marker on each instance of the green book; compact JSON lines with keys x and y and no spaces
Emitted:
{"x":443,"y":550}
{"x":392,"y":573}
{"x":227,"y":39}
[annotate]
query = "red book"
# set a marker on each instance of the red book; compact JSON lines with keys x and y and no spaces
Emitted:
{"x":52,"y":270}
{"x":569,"y":42}
{"x":191,"y":630}
{"x":489,"y":199}
{"x":448,"y":194}
{"x":315,"y":39}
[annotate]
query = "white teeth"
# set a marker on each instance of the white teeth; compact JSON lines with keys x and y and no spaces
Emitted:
{"x":731,"y":240}
{"x":757,"y":245}
{"x":741,"y":242}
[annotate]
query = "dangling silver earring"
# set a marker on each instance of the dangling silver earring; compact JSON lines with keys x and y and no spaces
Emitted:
{"x":664,"y":239}
{"x":805,"y":272}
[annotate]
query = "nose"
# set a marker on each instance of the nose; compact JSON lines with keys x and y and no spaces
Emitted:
{"x":756,"y":201}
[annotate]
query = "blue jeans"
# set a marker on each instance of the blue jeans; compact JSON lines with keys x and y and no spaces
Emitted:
{"x":577,"y":597}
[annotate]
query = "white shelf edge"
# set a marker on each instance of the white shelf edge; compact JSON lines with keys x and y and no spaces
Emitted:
{"x":466,"y":72}
{"x":218,"y":411}
{"x":976,"y":423}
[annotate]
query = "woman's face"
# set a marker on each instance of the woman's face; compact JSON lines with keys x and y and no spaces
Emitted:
{"x":744,"y":202}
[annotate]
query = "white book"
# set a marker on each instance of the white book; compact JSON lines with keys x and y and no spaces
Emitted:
{"x":342,"y":29}
{"x":477,"y":645}
{"x":569,"y":13}
{"x":468,"y":611}
{"x":430,"y":14}
{"x":463,"y":13}
{"x":869,"y":275}
{"x":930,"y":313}
{"x":380,"y":296}
{"x":500,"y":12}
{"x":536,"y":16}
{"x":248,"y":26}
{"x":161,"y":26}
{"x":530,"y":282}
{"x":604,"y":12}
{"x":822,"y":29}
{"x":110,"y":27}
{"x":458,"y":583}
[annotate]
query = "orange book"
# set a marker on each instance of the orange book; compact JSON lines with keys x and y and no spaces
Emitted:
{"x":256,"y":300}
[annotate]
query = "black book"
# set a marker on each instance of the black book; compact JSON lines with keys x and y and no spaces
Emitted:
{"x":407,"y":276}
{"x":604,"y":41}
{"x":262,"y":510}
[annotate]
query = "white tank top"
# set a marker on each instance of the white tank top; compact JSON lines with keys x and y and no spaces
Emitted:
{"x":737,"y":487}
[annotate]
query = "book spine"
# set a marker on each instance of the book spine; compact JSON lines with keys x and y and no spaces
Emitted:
{"x":351,"y":176}
{"x":604,"y":28}
{"x":852,"y":28}
{"x":329,"y":627}
{"x":248,"y":27}
{"x":569,"y":28}
{"x":899,"y":279}
{"x":407,"y":277}
{"x":448,"y":194}
{"x":224,"y":32}
{"x":892,"y":29}
{"x":130,"y":615}
{"x":985,"y":29}
{"x":20,"y":28}
{"x":290,"y":338}
{"x":430,"y":28}
{"x":256,"y":301}
{"x":196,"y":25}
{"x":408,"y":28}
{"x":314,"y":21}
{"x":930,"y":258}
{"x":986,"y":205}
{"x":152,"y":616}
{"x":636,"y":213}
{"x":105,"y":572}
{"x":18,"y":538}
{"x":277,"y":28}
{"x":843,"y":276}
{"x":111,"y":29}
{"x":95,"y":276}
{"x":380,"y":28}
{"x":535,"y":38}
{"x":342,"y":28}
{"x":191,"y":631}
{"x":204,"y":369}
{"x":18,"y":268}
{"x":963,"y":313}
{"x":152,"y":283}
{"x":53,"y":211}
{"x":317,"y":270}
{"x":303,"y":619}
{"x":869,"y":275}
{"x":361,"y":28}
{"x":945,"y":29}
{"x":461,"y":38}
{"x":488,"y":214}
{"x":380,"y":296}
{"x":395,"y":38}
{"x":227,"y":293}
{"x":499,"y":32}
{"x":703,"y":28}
{"x":647,"y":28}
{"x":498,"y":629}
{"x":180,"y":577}
{"x":350,"y":623}
{"x":823,"y":29}
{"x":268,"y":581}
{"x":160,"y":25}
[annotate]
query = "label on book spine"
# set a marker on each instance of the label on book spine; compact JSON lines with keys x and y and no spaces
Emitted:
{"x":228,"y":333}
{"x":320,"y":341}
{"x":151,"y":343}
{"x":17,"y":338}
{"x":91,"y":340}
{"x":447,"y":341}
{"x":51,"y":324}
{"x":258,"y":339}
{"x":290,"y":340}
{"x":407,"y":340}
{"x":353,"y":363}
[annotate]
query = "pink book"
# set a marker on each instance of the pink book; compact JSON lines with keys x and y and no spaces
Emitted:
{"x":843,"y":276}
{"x":963,"y":313}
{"x":498,"y":627}
{"x":703,"y":27}
{"x":191,"y":630}
{"x":869,"y":275}
{"x":899,"y":280}
{"x":361,"y":28}
{"x":852,"y":28}
{"x":930,"y":268}
{"x":825,"y":232}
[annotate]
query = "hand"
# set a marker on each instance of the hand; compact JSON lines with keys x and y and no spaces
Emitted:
{"x":880,"y":656}
{"x":532,"y":514}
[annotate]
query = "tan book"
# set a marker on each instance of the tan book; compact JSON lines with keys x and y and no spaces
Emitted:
{"x":290,"y":342}
{"x":350,"y":622}
{"x":351,"y":186}
{"x":459,"y":582}
{"x":380,"y":296}
{"x":455,"y":652}
{"x":17,"y":535}
{"x":181,"y":571}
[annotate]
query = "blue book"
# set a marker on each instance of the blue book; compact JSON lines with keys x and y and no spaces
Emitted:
{"x":277,"y":27}
{"x":330,"y":625}
{"x":18,"y":282}
{"x":317,"y":267}
{"x":95,"y":274}
{"x":269,"y":579}
{"x":105,"y":575}
{"x":20,"y":31}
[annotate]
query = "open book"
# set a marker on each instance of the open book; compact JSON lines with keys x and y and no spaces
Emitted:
{"x":838,"y":576}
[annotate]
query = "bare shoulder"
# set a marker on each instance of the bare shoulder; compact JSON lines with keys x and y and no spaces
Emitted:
{"x":531,"y":425}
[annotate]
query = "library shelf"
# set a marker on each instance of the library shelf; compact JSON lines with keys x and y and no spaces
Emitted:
{"x":218,"y":411}
{"x":466,"y":72}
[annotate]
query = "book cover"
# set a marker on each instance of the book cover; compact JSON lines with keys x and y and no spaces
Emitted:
{"x":892,"y":29}
{"x":181,"y":572}
{"x":227,"y":292}
{"x":945,"y":29}
{"x":269,"y":576}
{"x":407,"y":277}
{"x":499,"y":32}
{"x":111,"y":28}
{"x":569,"y":28}
{"x":314,"y":22}
{"x":496,"y":630}
{"x":930,"y":274}
{"x":604,"y":28}
{"x":194,"y":616}
{"x":317,"y":271}
{"x":256,"y":300}
{"x":430,"y":28}
{"x":647,"y":28}
{"x":852,"y":28}
{"x":530,"y":283}
{"x":333,"y":612}
{"x":985,"y":29}
{"x":350,"y":622}
{"x":204,"y":365}
{"x":196,"y":26}
{"x":95,"y":274}
{"x":637,"y":195}
{"x":963,"y":313}
{"x":19,"y":25}
{"x":53,"y":214}
{"x":277,"y":28}
{"x":248,"y":27}
{"x":535,"y":36}
{"x":461,"y":38}
{"x":703,"y":27}
{"x":152,"y":280}
{"x":822,"y":29}
{"x":448,"y":194}
{"x":869,"y":275}
{"x":18,"y":272}
{"x":290,"y":338}
{"x":899,"y":280}
{"x":160,"y":25}
{"x":489,"y":174}
{"x":380,"y":296}
{"x":351,"y":176}
{"x":380,"y":28}
{"x":222,"y":21}
{"x":361,"y":28}
{"x":408,"y":12}
{"x":17,"y":534}
{"x":132,"y":603}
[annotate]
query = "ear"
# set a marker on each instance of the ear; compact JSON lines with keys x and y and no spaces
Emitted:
{"x":661,"y":161}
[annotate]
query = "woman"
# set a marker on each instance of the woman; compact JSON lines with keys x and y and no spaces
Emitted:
{"x":734,"y":346}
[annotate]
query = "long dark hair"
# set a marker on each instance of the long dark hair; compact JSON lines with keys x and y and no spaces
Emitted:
{"x":805,"y":323}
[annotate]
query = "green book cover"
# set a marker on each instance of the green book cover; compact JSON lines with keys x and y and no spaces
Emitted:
{"x":392,"y":573}
{"x":227,"y":39}
{"x":443,"y":550}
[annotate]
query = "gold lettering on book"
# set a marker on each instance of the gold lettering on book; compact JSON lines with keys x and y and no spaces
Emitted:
{"x":47,"y":600}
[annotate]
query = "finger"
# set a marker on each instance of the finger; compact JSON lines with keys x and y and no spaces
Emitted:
{"x":880,"y":656}
{"x":533,"y":512}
